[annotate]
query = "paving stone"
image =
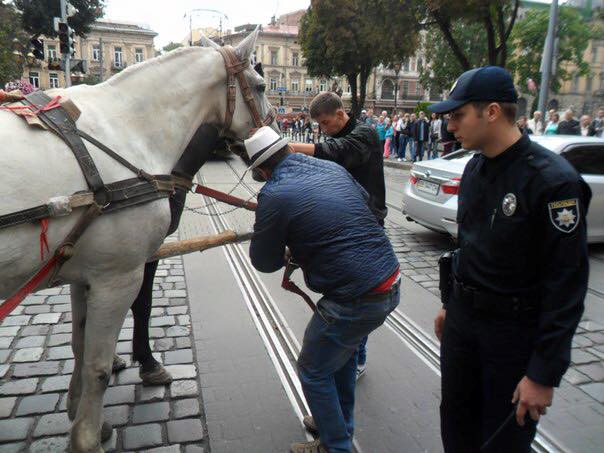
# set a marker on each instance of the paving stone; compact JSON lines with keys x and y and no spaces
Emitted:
{"x":186,"y":408}
{"x":128,"y":323}
{"x":68,"y":366}
{"x":5,"y":342}
{"x":56,"y":300}
{"x":36,"y":309}
{"x":6,"y":406}
{"x":128,"y":376}
{"x":154,"y":412}
{"x":3,"y":370}
{"x":575,"y":377}
{"x":175,"y":278}
{"x":59,"y":339}
{"x":594,"y":371}
{"x":183,"y":342}
{"x":182,"y":388}
{"x":161,"y":302}
{"x":119,"y":395}
{"x":124,"y":347}
{"x":169,"y":449}
{"x":9,"y":331}
{"x":591,"y":326}
{"x":579,"y":357}
{"x":178,"y":356}
{"x":152,"y":393}
{"x":37,"y":404}
{"x":596,"y":337}
{"x":187,"y":430}
{"x":47,"y":318}
{"x":61,"y":308}
{"x":177,"y":302}
{"x":157,"y":294}
{"x":56,"y":384}
{"x":4,"y":353}
{"x":163,"y":321}
{"x":177,"y":331}
{"x":62,"y":328}
{"x":156,"y":332}
{"x":59,"y":353}
{"x":184,"y":320}
{"x":125,"y":334}
{"x":49,"y":444}
{"x":182,"y":371}
{"x":30,"y":342}
{"x":580,"y":341}
{"x":14,"y":429}
{"x":175,"y":293}
{"x":194,"y":449}
{"x":116,"y":415}
{"x":22,"y":320}
{"x":138,"y":437}
{"x":595,"y":390}
{"x":33,"y":300}
{"x":13,"y":448}
{"x":158,"y":311}
{"x":177,"y":310}
{"x":52,"y":424}
{"x":28,"y":355}
{"x":35,"y":369}
{"x":19,"y":387}
{"x":163,"y":344}
{"x":597,"y":352}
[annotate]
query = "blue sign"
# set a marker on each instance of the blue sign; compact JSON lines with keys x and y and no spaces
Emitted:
{"x":281,"y":110}
{"x":281,"y":89}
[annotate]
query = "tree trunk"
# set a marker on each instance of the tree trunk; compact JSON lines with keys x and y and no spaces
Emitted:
{"x":445,"y":28}
{"x":355,"y":109}
{"x":363,"y":88}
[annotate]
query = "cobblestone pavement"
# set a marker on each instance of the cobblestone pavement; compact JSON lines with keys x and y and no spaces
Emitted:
{"x":36,"y":363}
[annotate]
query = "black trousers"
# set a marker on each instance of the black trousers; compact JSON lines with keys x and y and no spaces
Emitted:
{"x":483,"y":358}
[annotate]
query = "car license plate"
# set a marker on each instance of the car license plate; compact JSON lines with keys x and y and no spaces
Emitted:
{"x":427,"y":186}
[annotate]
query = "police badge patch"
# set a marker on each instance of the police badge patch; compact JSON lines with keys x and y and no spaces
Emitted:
{"x":509,"y":204}
{"x":564,"y":214}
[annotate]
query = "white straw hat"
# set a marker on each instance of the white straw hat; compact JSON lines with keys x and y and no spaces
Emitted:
{"x":263,"y":144}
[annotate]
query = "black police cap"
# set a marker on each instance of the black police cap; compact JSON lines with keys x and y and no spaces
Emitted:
{"x":489,"y":84}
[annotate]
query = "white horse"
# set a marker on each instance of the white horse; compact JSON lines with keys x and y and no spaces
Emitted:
{"x":147,"y":113}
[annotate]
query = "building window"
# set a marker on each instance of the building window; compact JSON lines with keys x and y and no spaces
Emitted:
{"x":295,"y":85}
{"x":273,"y":84}
{"x":96,"y":52}
{"x":308,"y":85}
{"x":420,"y":64}
{"x":322,"y":85}
{"x":117,"y":57}
{"x":406,"y":65}
{"x":138,"y":55}
{"x":594,"y":52}
{"x":34,"y":79}
{"x":405,"y":88}
{"x":295,"y":60}
{"x":417,"y":88}
{"x":52,"y":52}
{"x":53,"y":80}
{"x":274,"y":57}
{"x":387,"y":89}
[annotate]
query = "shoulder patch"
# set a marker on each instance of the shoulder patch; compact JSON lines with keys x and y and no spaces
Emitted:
{"x":564,"y":214}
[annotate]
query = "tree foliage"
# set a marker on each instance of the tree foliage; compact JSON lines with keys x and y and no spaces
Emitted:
{"x":351,"y":37}
{"x":528,"y":39}
{"x":10,"y":65}
{"x":171,"y":46}
{"x":37,"y":15}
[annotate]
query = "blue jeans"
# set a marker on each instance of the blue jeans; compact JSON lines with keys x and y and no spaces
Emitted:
{"x":328,"y":361}
{"x":402,"y":146}
{"x":419,"y":149}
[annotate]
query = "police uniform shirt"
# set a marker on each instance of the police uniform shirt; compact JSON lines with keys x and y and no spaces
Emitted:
{"x":522,"y":231}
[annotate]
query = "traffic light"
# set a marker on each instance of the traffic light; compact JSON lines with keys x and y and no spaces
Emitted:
{"x":37,"y":48}
{"x":66,"y":39}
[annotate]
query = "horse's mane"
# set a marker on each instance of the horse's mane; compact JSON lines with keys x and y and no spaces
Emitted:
{"x":135,"y":69}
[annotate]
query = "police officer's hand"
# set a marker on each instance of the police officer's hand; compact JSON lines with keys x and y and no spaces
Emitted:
{"x":439,"y":322}
{"x":532,"y":397}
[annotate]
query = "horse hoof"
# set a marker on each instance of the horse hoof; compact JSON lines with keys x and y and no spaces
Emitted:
{"x":158,"y":376}
{"x":118,"y":364}
{"x":106,"y":432}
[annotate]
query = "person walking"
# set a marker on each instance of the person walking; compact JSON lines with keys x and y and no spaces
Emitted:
{"x":389,"y":134}
{"x":411,"y":127}
{"x":380,"y":128}
{"x":435,"y":129}
{"x":515,"y":288}
{"x":421,"y":136}
{"x":404,"y":137}
{"x":301,"y":212}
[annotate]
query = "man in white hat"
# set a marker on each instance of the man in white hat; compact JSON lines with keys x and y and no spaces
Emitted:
{"x":316,"y":209}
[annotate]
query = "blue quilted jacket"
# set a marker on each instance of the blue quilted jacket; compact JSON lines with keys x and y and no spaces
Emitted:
{"x":320,"y":212}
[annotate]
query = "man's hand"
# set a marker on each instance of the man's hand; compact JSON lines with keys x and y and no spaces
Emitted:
{"x":532,"y":397}
{"x":439,"y":323}
{"x":303,"y":148}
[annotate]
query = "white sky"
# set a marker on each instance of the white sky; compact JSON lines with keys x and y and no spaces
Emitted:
{"x":166,"y":17}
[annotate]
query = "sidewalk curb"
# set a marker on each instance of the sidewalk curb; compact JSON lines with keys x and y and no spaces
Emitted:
{"x":399,"y":165}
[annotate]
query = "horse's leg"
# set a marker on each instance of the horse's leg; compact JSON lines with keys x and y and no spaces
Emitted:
{"x":141,"y":312}
{"x":107,"y":304}
{"x":78,"y":323}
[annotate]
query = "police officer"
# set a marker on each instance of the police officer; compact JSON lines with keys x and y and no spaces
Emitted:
{"x":519,"y":276}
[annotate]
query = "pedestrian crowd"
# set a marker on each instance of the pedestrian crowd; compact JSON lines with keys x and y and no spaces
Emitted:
{"x":584,"y":126}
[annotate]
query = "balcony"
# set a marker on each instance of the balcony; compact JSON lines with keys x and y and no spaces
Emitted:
{"x":117,"y":66}
{"x":54,"y":64}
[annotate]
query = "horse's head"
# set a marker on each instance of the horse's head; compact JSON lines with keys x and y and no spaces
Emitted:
{"x":242,"y":119}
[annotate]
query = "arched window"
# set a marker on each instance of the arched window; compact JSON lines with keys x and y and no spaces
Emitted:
{"x":387,"y":89}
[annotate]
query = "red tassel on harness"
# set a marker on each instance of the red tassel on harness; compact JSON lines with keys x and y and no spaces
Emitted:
{"x":43,"y":238}
{"x":32,"y":110}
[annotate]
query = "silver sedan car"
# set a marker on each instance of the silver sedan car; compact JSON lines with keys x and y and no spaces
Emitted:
{"x":430,"y":196}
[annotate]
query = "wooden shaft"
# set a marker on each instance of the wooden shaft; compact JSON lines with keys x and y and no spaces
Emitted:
{"x":199,"y":244}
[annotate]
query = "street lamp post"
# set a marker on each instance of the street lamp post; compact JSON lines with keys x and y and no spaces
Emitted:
{"x":397,"y":68}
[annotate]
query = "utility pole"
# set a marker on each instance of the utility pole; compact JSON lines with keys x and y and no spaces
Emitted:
{"x":547,"y":57}
{"x":101,"y":58}
{"x":66,"y":57}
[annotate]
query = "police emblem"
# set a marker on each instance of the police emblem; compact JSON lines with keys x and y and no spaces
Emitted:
{"x":509,"y":205}
{"x":564,"y":214}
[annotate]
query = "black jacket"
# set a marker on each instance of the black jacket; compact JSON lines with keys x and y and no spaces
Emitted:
{"x":426,"y":132}
{"x":522,"y":232}
{"x":572,"y":127}
{"x":357,"y":148}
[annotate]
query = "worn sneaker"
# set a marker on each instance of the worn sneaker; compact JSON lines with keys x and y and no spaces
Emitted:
{"x":309,"y":424}
{"x":361,"y":370}
{"x":308,"y":447}
{"x":118,"y":364}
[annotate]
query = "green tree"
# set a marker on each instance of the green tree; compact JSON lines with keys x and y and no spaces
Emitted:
{"x":494,"y":19}
{"x":37,"y":15}
{"x":441,"y":68}
{"x":351,"y":37}
{"x":12,"y":38}
{"x":528,"y":39}
{"x":171,"y":46}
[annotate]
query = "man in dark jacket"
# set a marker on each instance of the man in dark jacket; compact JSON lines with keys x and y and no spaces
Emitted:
{"x":569,"y":126}
{"x":317,"y":210}
{"x":356,"y":147}
{"x":421,"y":136}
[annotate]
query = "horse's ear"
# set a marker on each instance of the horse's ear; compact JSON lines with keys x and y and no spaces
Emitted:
{"x":207,"y":42}
{"x":259,"y":70}
{"x":246,"y":47}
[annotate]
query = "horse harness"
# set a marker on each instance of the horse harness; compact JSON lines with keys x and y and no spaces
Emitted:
{"x":100,"y":197}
